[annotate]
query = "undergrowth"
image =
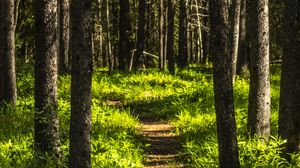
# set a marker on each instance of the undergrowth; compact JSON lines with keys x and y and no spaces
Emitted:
{"x":186,"y":99}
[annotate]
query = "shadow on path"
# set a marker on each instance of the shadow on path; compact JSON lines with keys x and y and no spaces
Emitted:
{"x":162,"y":144}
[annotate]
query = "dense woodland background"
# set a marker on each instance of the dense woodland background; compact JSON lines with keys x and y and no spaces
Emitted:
{"x":77,"y":77}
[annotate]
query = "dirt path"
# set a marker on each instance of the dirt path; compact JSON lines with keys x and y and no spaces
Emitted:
{"x":161,"y":144}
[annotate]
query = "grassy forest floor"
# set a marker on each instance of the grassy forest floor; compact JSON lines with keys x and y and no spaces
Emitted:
{"x":123,"y":101}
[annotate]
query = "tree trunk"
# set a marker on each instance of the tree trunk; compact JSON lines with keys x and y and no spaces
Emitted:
{"x":110,"y":56}
{"x":289,"y":127}
{"x":259,"y":93}
{"x":46,"y":137}
{"x":183,"y":33}
{"x":63,"y":63}
{"x":236,"y":5}
{"x":242,"y":59}
{"x":205,"y":33}
{"x":82,"y":63}
{"x":226,"y":125}
{"x":7,"y":53}
{"x":140,"y":36}
{"x":162,"y":35}
{"x":170,"y":37}
{"x":125,"y":31}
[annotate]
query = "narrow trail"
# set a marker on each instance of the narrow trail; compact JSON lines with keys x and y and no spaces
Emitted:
{"x":162,"y":145}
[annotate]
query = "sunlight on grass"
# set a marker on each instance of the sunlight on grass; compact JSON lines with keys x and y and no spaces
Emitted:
{"x":186,"y":99}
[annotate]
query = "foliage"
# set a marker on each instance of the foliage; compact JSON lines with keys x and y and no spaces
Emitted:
{"x":186,"y":99}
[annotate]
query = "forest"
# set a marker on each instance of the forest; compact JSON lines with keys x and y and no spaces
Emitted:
{"x":149,"y":83}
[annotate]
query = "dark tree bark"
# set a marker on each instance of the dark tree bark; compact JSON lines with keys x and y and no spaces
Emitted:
{"x":236,"y":8}
{"x":110,"y":56}
{"x":7,"y":53}
{"x":242,"y":59}
{"x":289,"y":127}
{"x":226,"y":125}
{"x":125,"y":31}
{"x":140,"y":36}
{"x":63,"y":61}
{"x":288,"y":71}
{"x":170,"y":36}
{"x":115,"y":31}
{"x":259,"y":94}
{"x":82,"y":66}
{"x":183,"y":39}
{"x":162,"y":36}
{"x":205,"y":33}
{"x":46,"y":137}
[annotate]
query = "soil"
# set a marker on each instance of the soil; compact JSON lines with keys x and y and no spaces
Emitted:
{"x":162,"y":144}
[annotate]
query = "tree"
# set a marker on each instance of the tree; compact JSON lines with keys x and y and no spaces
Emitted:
{"x":236,"y":7}
{"x":205,"y":32}
{"x":170,"y":36}
{"x":124,"y":38}
{"x":162,"y":35}
{"x":8,"y":90}
{"x":140,"y":35}
{"x":183,"y":26}
{"x":82,"y":66}
{"x":289,"y":127}
{"x":106,"y":24}
{"x":63,"y":61}
{"x":259,"y":93}
{"x":226,"y":125}
{"x":242,"y":59}
{"x":46,"y":136}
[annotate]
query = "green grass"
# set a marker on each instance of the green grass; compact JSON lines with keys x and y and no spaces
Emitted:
{"x":186,"y":99}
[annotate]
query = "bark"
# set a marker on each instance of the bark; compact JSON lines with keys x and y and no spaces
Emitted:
{"x":7,"y":53}
{"x":226,"y":125}
{"x":289,"y":127}
{"x":46,"y":137}
{"x":235,"y":36}
{"x":170,"y":36}
{"x":140,"y":36}
{"x":110,"y":56}
{"x":63,"y":61}
{"x":201,"y":31}
{"x":205,"y":33}
{"x":125,"y":32}
{"x":162,"y":36}
{"x":242,"y":59}
{"x":82,"y":63}
{"x":259,"y":93}
{"x":183,"y":35}
{"x":115,"y":31}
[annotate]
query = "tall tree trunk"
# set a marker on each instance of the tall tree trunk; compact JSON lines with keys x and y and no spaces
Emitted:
{"x":170,"y":36}
{"x":46,"y":137}
{"x":82,"y":67}
{"x":7,"y":53}
{"x":259,"y":94}
{"x":162,"y":35}
{"x":140,"y":36}
{"x":200,"y":29}
{"x":205,"y":32}
{"x":125,"y":31}
{"x":63,"y":63}
{"x":242,"y":59}
{"x":288,"y":71}
{"x":236,"y":7}
{"x":226,"y":125}
{"x":183,"y":35}
{"x":115,"y":31}
{"x":110,"y":56}
{"x":289,"y":127}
